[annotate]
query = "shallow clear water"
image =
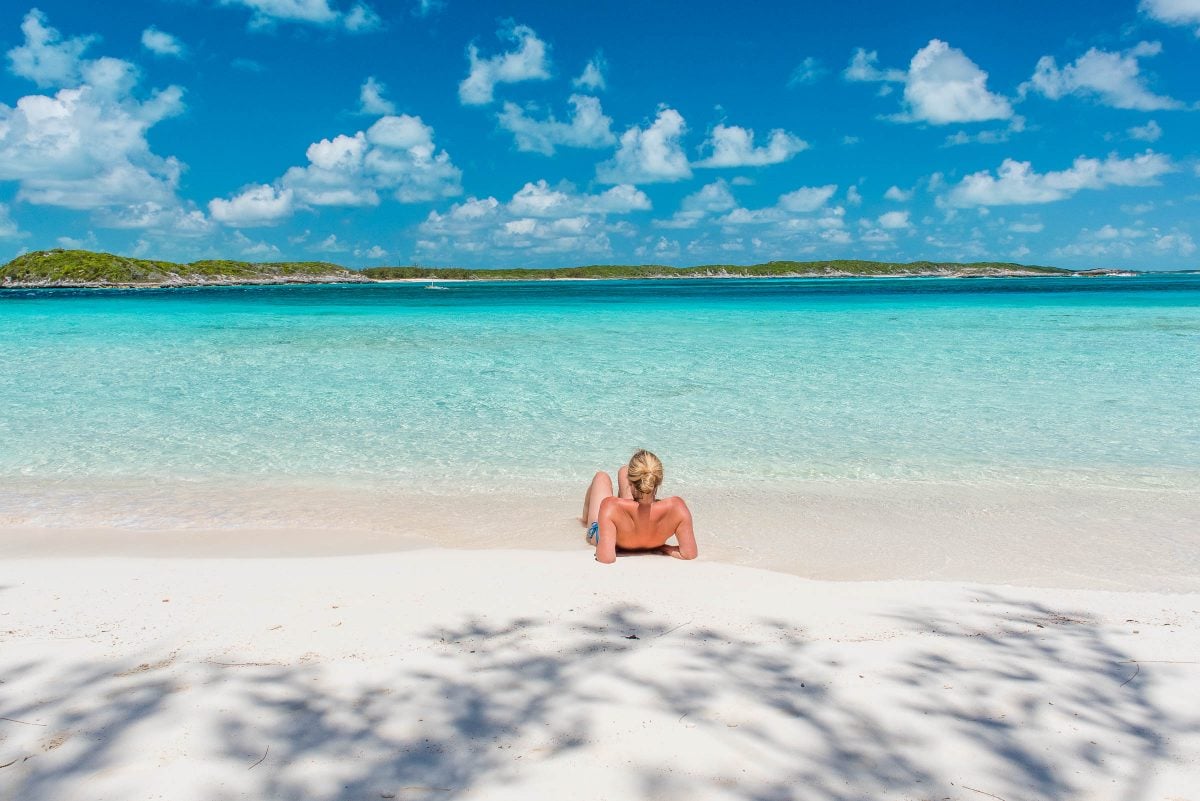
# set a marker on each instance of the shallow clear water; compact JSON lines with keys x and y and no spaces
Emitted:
{"x":1050,"y":380}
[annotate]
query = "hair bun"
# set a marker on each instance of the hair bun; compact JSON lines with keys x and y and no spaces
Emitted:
{"x":645,"y":472}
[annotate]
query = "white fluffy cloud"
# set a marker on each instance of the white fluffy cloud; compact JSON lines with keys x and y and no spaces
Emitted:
{"x":46,"y":58}
{"x":267,"y":13}
{"x":538,"y":219}
{"x":1016,"y":183}
{"x":801,"y":219}
{"x":807,"y":198}
{"x":84,"y":147}
{"x":371,"y":99}
{"x":1115,"y":79}
{"x":1150,"y":132}
{"x":712,"y":198}
{"x":732,"y":146}
{"x":649,"y":155}
{"x":396,"y":155}
{"x":161,"y":43}
{"x":527,"y":62}
{"x":588,"y":127}
{"x":942,"y":85}
{"x":1173,"y":12}
{"x":1133,"y":243}
{"x":592,"y":78}
{"x":257,"y":205}
{"x":894,"y":220}
{"x":897,"y":194}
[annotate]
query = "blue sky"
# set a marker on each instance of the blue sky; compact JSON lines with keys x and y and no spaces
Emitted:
{"x":371,"y":132}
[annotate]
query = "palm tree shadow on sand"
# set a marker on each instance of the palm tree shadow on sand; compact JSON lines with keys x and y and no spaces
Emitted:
{"x":1034,"y":703}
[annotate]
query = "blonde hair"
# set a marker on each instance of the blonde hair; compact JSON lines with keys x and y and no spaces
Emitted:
{"x":645,"y":473}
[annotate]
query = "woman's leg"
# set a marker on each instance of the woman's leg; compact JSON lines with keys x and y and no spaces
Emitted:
{"x":623,"y":483}
{"x":600,"y":488}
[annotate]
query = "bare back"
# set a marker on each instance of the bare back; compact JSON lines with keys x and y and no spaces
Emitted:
{"x":630,"y":525}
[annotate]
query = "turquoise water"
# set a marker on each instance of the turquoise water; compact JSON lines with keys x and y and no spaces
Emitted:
{"x":1052,"y":380}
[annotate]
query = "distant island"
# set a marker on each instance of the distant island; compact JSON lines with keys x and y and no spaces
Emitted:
{"x":84,"y":268}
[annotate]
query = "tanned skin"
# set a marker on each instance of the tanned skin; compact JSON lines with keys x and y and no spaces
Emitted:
{"x":632,"y":523}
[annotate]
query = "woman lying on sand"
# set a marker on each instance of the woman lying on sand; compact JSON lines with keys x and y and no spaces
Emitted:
{"x":636,"y":520}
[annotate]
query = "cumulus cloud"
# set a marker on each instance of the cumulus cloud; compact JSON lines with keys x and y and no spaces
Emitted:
{"x":807,"y":198}
{"x":942,"y":85}
{"x":1016,"y":183}
{"x":894,"y":220}
{"x":710,"y":199}
{"x":732,"y":146}
{"x":331,"y":244}
{"x":1173,"y":12}
{"x":1128,"y":242}
{"x":371,"y":98}
{"x":256,"y":205}
{"x":84,"y":147}
{"x":161,"y":43}
{"x":592,"y":78}
{"x":373,"y":252}
{"x":587,"y":127}
{"x":1150,"y":132}
{"x":897,"y":194}
{"x":527,"y":62}
{"x":46,"y":58}
{"x":801,"y":220}
{"x":176,"y":219}
{"x":649,"y":155}
{"x":1114,"y":79}
{"x":538,"y":219}
{"x":396,"y":155}
{"x":268,"y":13}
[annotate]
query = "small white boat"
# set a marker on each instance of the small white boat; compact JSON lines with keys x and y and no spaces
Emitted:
{"x":435,"y":286}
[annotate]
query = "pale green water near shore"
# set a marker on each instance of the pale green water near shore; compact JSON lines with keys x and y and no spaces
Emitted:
{"x":1057,"y":381}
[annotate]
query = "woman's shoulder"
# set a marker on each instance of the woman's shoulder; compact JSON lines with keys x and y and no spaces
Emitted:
{"x":674,"y":502}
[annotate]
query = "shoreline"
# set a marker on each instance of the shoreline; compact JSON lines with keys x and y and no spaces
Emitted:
{"x":1099,"y":537}
{"x":185,"y":284}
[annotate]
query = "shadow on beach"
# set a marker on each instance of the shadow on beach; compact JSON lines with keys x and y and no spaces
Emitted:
{"x":1021,"y":701}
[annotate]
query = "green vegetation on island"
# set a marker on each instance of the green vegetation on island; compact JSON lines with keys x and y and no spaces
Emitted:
{"x":83,"y":268}
{"x":64,"y":268}
{"x":776,"y":269}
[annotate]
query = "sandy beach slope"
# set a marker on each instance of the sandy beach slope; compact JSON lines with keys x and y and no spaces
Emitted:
{"x":438,"y":674}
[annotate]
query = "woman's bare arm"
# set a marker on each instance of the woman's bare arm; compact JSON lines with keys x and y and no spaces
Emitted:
{"x":684,"y":535}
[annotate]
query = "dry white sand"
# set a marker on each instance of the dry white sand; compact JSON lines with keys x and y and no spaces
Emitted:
{"x":438,"y":674}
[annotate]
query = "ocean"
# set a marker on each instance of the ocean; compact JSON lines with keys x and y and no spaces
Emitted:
{"x":484,"y":384}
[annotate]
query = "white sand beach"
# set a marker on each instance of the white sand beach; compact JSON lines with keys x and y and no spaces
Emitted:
{"x":510,"y":674}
